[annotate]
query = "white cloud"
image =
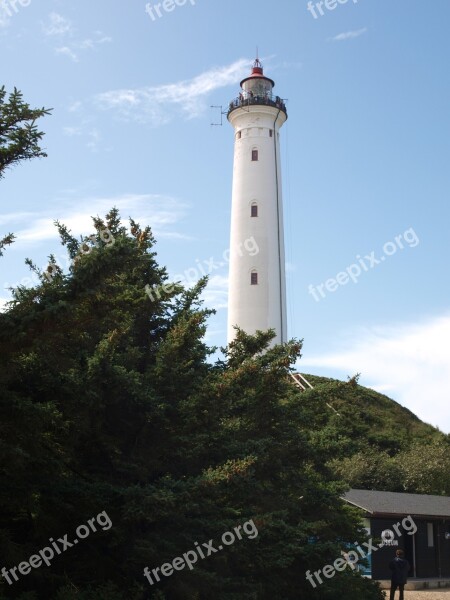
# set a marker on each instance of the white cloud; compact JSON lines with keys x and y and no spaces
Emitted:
{"x":409,"y":363}
{"x":61,"y":28}
{"x":72,"y":131}
{"x":14,"y":217}
{"x":57,"y":25}
{"x":66,"y":51}
{"x":155,"y":105}
{"x":41,"y":229}
{"x":94,"y":140}
{"x":91,"y":43}
{"x":75,"y":106}
{"x":349,"y":35}
{"x":73,"y":49}
{"x":86,"y":130}
{"x":157,"y":211}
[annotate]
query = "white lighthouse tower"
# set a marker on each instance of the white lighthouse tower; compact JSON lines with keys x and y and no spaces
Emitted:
{"x":257,"y":285}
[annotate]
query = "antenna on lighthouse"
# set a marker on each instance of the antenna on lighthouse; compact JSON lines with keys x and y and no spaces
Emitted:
{"x":222,"y":112}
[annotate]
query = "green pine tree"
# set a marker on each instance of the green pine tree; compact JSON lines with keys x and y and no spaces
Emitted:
{"x":110,"y":401}
{"x":19,"y":137}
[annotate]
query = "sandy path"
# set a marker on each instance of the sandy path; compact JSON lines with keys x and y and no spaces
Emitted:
{"x":443,"y":594}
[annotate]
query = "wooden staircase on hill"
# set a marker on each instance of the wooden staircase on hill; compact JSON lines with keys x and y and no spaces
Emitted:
{"x":301,"y":381}
{"x":304,"y":385}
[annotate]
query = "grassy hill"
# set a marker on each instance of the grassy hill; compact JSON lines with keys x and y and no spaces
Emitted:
{"x":385,"y":422}
{"x":373,"y":442}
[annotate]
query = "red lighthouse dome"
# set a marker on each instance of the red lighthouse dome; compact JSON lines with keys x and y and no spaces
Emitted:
{"x":257,"y":75}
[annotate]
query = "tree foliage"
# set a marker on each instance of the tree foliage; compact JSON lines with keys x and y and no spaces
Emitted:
{"x":20,"y":137}
{"x":110,"y":402}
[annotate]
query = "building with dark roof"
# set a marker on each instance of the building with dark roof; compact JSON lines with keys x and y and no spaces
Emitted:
{"x":417,"y":523}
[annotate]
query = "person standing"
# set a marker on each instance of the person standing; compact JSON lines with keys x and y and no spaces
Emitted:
{"x":400,"y":569}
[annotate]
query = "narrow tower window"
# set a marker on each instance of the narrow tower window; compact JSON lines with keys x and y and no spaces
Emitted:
{"x":254,"y":155}
{"x":239,"y":134}
{"x":254,"y":278}
{"x":254,"y":210}
{"x":270,"y":132}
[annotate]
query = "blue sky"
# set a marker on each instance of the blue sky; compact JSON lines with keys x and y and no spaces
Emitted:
{"x":365,"y":160}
